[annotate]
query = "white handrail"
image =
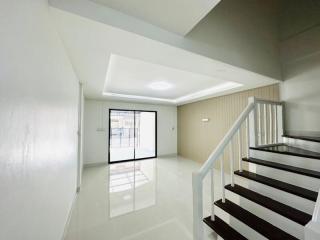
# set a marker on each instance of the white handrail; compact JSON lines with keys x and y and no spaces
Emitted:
{"x":224,"y":142}
{"x":263,"y":101}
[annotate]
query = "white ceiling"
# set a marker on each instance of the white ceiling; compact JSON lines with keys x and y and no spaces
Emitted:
{"x":90,"y":45}
{"x":178,"y":16}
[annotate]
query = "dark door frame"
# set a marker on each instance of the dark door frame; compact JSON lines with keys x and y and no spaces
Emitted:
{"x":134,"y":113}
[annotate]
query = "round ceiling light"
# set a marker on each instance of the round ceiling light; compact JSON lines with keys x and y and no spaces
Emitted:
{"x":160,"y":85}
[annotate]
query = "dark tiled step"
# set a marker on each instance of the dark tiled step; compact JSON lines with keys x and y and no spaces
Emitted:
{"x":306,"y":138}
{"x":302,"y":171}
{"x":289,"y":150}
{"x":299,"y":191}
{"x":275,"y":206}
{"x":259,"y":225}
{"x":223,"y":229}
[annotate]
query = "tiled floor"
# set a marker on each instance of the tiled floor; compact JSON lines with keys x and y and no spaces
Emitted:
{"x":142,"y":200}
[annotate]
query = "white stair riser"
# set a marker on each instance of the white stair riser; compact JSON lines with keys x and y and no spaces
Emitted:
{"x":209,"y":234}
{"x":304,"y":144}
{"x":278,"y":195}
{"x":285,"y":176}
{"x":237,"y":225}
{"x":312,"y":231}
{"x":302,"y":162}
{"x":275,"y":219}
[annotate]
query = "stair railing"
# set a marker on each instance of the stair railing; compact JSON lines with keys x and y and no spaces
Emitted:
{"x":261,"y":127}
{"x":268,"y":122}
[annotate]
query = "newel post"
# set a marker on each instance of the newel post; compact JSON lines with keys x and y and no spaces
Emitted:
{"x":197,"y":207}
{"x":253,"y":123}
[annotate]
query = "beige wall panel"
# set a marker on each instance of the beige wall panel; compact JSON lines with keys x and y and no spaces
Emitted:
{"x":197,"y":139}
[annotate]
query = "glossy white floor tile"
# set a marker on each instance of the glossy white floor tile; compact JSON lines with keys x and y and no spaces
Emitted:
{"x":142,"y":200}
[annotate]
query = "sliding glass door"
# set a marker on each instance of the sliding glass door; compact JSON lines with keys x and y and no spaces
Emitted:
{"x":132,"y":135}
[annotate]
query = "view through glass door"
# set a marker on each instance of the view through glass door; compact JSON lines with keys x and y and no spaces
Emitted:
{"x":132,"y":135}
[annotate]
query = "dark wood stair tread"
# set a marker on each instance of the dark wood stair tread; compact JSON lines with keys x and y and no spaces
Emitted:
{"x":275,"y":206}
{"x":302,"y":171}
{"x":306,"y":138}
{"x":290,"y":188}
{"x":259,"y":225}
{"x":288,"y":150}
{"x":223,"y":229}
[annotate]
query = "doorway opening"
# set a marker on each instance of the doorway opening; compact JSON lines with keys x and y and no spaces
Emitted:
{"x":132,"y":135}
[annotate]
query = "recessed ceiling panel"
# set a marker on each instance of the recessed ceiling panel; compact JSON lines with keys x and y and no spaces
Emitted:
{"x":178,"y":16}
{"x":129,"y":76}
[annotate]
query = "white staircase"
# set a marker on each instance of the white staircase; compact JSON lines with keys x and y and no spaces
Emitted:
{"x":274,"y":180}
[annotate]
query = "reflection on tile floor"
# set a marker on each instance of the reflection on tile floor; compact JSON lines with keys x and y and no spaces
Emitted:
{"x":142,"y":200}
{"x":132,"y":186}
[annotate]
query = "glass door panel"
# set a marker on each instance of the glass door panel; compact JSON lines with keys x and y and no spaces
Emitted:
{"x":121,"y":145}
{"x":145,"y":141}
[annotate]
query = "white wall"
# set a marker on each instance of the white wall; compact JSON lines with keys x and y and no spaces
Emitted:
{"x":300,"y":47}
{"x":38,"y":140}
{"x":96,"y":117}
{"x":241,"y":33}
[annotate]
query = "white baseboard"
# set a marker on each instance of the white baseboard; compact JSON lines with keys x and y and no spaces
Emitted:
{"x":96,"y":164}
{"x":66,"y":226}
{"x":303,"y":133}
{"x":168,"y":155}
{"x":312,"y":231}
